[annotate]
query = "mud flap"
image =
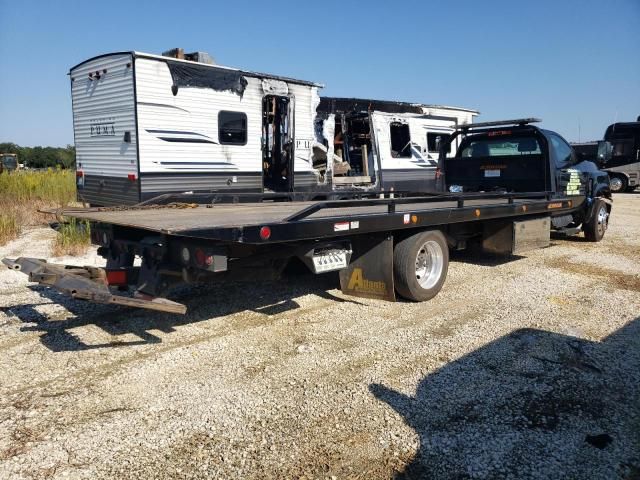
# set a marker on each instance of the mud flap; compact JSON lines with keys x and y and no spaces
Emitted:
{"x":370,"y":272}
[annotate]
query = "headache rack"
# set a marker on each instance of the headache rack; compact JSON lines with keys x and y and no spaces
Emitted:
{"x":498,"y":123}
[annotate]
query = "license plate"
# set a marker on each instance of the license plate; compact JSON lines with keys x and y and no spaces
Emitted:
{"x":330,"y":261}
{"x":492,"y":173}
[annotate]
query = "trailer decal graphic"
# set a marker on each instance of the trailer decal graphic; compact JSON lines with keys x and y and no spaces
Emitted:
{"x":341,"y":226}
{"x":102,"y":127}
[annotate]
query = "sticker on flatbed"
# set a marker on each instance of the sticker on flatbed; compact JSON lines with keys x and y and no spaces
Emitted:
{"x":341,"y":226}
{"x":492,"y":173}
{"x":355,"y":225}
{"x":406,"y":219}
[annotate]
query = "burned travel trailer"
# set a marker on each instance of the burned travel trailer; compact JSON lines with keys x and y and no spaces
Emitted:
{"x":386,"y":146}
{"x":149,"y":125}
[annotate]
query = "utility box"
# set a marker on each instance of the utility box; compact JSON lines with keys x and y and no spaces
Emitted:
{"x":514,"y":238}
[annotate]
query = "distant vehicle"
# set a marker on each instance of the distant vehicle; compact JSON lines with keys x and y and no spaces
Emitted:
{"x":9,"y":162}
{"x":624,"y":165}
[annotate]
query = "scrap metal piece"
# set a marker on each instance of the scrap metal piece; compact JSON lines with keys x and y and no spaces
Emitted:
{"x":86,"y":283}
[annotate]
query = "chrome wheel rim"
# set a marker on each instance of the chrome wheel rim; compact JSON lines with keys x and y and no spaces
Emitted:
{"x":603,"y":219}
{"x":429,"y":264}
{"x":616,"y":184}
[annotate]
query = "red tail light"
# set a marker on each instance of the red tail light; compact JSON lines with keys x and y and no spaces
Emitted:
{"x":438,"y":173}
{"x":132,"y":177}
{"x":265,"y":233}
{"x":117,"y":277}
{"x":79,"y":173}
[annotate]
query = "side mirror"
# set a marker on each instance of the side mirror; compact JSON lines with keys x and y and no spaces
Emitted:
{"x":605,"y":152}
{"x":438,"y":143}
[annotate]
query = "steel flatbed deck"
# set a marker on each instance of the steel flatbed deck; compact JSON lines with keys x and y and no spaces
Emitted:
{"x":291,"y":221}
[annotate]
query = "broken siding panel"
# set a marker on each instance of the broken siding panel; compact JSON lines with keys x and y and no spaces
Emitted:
{"x":306,"y":102}
{"x":190,"y":120}
{"x":419,"y":127}
{"x":382,"y":124}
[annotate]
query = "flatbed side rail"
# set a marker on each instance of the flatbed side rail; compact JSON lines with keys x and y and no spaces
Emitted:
{"x":392,"y":202}
{"x":87,"y":283}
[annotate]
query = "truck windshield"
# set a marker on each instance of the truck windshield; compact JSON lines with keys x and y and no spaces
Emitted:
{"x":497,"y":147}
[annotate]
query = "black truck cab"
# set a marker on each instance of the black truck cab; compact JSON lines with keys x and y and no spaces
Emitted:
{"x":515,"y":156}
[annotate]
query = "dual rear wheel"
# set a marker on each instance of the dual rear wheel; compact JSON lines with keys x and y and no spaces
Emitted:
{"x":420,"y":264}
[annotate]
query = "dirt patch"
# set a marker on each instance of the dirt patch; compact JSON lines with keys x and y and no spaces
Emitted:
{"x":610,"y":277}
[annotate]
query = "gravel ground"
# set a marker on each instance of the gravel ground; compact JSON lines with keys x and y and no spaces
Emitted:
{"x":518,"y":369}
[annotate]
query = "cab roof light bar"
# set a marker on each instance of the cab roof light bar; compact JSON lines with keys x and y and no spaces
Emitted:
{"x":499,"y":123}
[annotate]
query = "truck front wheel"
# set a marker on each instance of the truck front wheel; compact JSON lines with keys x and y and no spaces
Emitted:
{"x":420,"y":264}
{"x":595,"y":227}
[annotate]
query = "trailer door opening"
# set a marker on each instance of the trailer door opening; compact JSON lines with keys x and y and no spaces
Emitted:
{"x":277,"y":146}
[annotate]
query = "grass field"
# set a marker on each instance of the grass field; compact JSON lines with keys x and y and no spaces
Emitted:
{"x":23,"y":193}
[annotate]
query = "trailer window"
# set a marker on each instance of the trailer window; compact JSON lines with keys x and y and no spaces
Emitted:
{"x":431,"y":141}
{"x":232,"y":128}
{"x":400,"y":140}
{"x":502,"y":147}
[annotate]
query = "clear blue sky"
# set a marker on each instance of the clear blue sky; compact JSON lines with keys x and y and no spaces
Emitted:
{"x":571,"y":62}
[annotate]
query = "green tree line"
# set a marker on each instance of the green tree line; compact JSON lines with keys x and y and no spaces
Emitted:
{"x":42,"y":157}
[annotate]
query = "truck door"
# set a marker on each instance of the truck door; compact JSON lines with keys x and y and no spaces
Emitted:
{"x":569,"y":179}
{"x":277,"y":143}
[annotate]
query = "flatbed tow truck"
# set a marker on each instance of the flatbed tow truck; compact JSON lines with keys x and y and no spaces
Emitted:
{"x":508,"y":186}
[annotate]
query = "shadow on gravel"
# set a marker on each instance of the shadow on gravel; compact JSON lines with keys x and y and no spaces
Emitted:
{"x":203,"y":302}
{"x":481,"y":258}
{"x":532,"y":404}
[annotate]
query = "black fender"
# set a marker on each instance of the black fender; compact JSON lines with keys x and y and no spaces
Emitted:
{"x":590,"y":210}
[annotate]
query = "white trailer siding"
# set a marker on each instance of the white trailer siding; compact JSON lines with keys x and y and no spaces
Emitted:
{"x":415,"y":172}
{"x":306,"y":100}
{"x":199,"y":161}
{"x":192,"y":114}
{"x":103,"y":110}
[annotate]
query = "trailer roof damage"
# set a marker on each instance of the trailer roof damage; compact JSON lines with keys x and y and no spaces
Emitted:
{"x":200,"y":65}
{"x":346,"y":105}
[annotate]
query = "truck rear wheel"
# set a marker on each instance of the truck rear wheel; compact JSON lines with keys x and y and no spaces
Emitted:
{"x":596,"y":226}
{"x":420,"y":264}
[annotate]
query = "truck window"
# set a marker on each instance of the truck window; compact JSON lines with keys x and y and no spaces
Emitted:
{"x":400,"y":140}
{"x":496,"y":147}
{"x":562,"y":151}
{"x":232,"y":128}
{"x":431,"y":141}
